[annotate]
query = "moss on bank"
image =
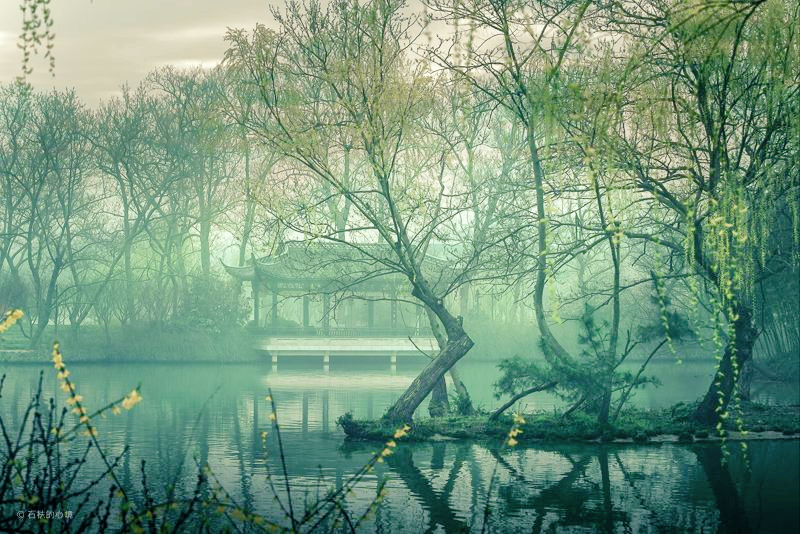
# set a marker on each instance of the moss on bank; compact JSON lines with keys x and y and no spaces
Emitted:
{"x":638,"y":426}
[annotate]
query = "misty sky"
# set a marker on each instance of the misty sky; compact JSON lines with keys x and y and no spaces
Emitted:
{"x":101,"y":44}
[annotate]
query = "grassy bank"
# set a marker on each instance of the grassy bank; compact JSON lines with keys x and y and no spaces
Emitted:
{"x":135,"y":343}
{"x":639,"y":426}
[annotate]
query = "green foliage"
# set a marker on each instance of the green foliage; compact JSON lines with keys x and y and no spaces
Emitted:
{"x":584,"y":380}
{"x":671,"y":324}
{"x":518,"y":374}
{"x":461,"y":403}
{"x":212,"y":304}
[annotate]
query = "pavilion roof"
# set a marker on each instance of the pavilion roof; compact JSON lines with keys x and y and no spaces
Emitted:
{"x":328,"y":267}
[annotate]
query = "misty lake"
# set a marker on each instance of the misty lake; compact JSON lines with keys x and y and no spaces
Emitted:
{"x":215,"y":413}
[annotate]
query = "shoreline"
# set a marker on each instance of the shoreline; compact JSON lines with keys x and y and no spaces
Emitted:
{"x":635,"y":427}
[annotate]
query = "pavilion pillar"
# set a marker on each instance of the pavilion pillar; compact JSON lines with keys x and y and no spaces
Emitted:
{"x":275,"y":308}
{"x":256,"y":288}
{"x":371,"y":313}
{"x":394,"y":313}
{"x":306,"y":314}
{"x":326,"y":314}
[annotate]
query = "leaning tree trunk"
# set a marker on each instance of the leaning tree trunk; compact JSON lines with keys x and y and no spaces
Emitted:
{"x":403,"y":409}
{"x":458,"y":344}
{"x":439,"y":402}
{"x":438,"y":405}
{"x":738,"y":350}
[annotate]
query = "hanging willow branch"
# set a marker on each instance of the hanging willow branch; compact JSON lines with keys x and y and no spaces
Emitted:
{"x":37,"y":34}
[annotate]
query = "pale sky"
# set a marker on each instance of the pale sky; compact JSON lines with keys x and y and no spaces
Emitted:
{"x":102,"y":44}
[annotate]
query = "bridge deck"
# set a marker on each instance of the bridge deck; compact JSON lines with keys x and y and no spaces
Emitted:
{"x":321,"y":346}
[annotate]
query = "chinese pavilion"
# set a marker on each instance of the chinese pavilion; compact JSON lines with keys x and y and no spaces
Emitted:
{"x":319,"y":298}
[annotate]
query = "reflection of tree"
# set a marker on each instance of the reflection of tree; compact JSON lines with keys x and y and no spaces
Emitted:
{"x":244,"y":470}
{"x":630,"y":480}
{"x":437,"y":504}
{"x":732,"y":516}
{"x":564,"y":495}
{"x":567,"y":495}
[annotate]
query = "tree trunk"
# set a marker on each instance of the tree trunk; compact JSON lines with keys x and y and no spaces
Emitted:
{"x":439,"y":401}
{"x":205,"y":246}
{"x":465,"y":402}
{"x":403,"y":410}
{"x":746,"y":380}
{"x":719,"y":392}
{"x":438,"y":405}
{"x":732,"y":514}
{"x":518,"y":396}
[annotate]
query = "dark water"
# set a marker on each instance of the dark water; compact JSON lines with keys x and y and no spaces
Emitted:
{"x":214,"y":414}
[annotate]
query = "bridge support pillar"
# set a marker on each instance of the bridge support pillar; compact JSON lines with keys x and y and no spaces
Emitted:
{"x":393,"y":361}
{"x":326,"y":361}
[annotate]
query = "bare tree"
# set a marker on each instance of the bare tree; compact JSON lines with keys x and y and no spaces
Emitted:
{"x":344,"y":73}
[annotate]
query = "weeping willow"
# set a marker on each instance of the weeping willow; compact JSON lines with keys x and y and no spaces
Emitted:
{"x":725,"y":134}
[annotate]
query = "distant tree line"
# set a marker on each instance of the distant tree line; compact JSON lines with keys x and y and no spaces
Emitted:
{"x":632,"y":168}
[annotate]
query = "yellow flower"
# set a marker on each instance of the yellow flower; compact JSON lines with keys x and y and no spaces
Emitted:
{"x":511,"y":442}
{"x":66,"y":387}
{"x":518,"y":419}
{"x":58,"y":360}
{"x":79,"y":410}
{"x":62,"y":374}
{"x":75,"y":399}
{"x":273,"y":416}
{"x":268,"y":398}
{"x":10,"y":318}
{"x":514,"y":432}
{"x":92,"y":431}
{"x":115,"y":410}
{"x":238,"y":514}
{"x":84,"y":419}
{"x":400,"y":432}
{"x":386,"y":452}
{"x":391,"y":443}
{"x":131,"y":399}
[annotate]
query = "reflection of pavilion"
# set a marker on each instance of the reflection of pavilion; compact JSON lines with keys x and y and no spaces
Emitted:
{"x":330,"y":298}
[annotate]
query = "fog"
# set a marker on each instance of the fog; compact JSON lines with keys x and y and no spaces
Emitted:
{"x":238,"y":233}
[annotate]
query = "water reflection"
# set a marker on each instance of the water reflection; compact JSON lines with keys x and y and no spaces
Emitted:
{"x":215,"y":414}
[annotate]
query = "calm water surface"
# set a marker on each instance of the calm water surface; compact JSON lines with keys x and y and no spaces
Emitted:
{"x":215,"y":413}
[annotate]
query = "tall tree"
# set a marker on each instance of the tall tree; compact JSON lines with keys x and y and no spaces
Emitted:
{"x":514,"y":54}
{"x":714,"y":89}
{"x":345,"y":69}
{"x":46,"y":167}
